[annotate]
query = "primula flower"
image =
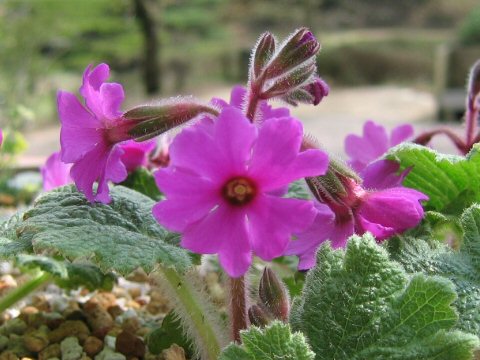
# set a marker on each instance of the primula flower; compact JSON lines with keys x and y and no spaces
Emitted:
{"x":221,"y":182}
{"x":1,"y":137}
{"x":55,"y":173}
{"x":374,"y":143}
{"x":90,"y":133}
{"x":384,"y":209}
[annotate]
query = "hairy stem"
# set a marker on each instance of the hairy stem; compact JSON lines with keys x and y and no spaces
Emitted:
{"x":471,"y":118}
{"x":238,"y":306}
{"x":20,"y":292}
{"x":425,"y":138}
{"x":195,"y":313}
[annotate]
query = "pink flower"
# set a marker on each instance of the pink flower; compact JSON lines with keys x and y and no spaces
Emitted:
{"x":90,"y":133}
{"x":374,"y":143}
{"x":1,"y":137}
{"x":220,"y":187}
{"x":136,"y":154}
{"x":55,"y":173}
{"x":385,"y":209}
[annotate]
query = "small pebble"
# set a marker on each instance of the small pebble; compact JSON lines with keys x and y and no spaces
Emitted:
{"x":109,"y":354}
{"x":129,"y":344}
{"x":131,"y":325}
{"x":174,"y":352}
{"x":13,"y":326}
{"x":115,"y":311}
{"x":92,"y":346}
{"x":110,"y":341}
{"x":7,"y":283}
{"x":8,"y":355}
{"x":104,"y":299}
{"x":98,"y":318}
{"x":36,"y":341}
{"x":71,"y":349}
{"x":69,"y":328}
{"x":50,"y":352}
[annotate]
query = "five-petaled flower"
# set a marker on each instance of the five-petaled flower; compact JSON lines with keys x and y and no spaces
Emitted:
{"x":221,"y":187}
{"x":380,"y":205}
{"x":90,"y":133}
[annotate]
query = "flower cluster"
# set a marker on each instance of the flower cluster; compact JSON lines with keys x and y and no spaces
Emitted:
{"x":227,"y":173}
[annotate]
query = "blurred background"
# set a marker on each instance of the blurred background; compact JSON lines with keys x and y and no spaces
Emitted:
{"x":387,"y":60}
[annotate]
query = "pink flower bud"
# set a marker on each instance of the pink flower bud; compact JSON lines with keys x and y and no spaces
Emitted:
{"x":263,"y":52}
{"x":153,"y":120}
{"x":312,"y":93}
{"x":274,"y":295}
{"x":258,"y":316}
{"x":294,"y":79}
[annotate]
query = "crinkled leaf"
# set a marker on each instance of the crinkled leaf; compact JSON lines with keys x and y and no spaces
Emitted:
{"x":298,"y":189}
{"x":120,"y":236}
{"x":142,"y":180}
{"x":361,"y":305}
{"x":451,"y":182}
{"x":69,"y":275}
{"x":461,"y":266}
{"x":274,"y":342}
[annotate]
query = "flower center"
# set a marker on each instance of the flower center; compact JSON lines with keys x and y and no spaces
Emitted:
{"x":239,"y":191}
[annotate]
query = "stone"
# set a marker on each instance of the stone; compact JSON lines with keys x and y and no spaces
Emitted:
{"x":71,"y":349}
{"x":98,"y":318}
{"x":69,"y":328}
{"x":36,"y":341}
{"x":50,"y":352}
{"x":109,"y":354}
{"x":92,"y":346}
{"x":129,"y":344}
{"x":174,"y":352}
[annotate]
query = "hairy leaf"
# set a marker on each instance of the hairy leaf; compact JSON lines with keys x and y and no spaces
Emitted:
{"x":120,"y":236}
{"x":451,"y":182}
{"x":361,"y":305}
{"x":273,"y":342}
{"x":69,"y":275}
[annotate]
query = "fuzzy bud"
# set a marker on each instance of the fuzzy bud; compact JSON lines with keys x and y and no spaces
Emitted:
{"x":258,"y":316}
{"x":294,"y":79}
{"x":299,"y":49}
{"x":274,"y":295}
{"x":473,"y":96}
{"x":263,"y":53}
{"x":153,"y":120}
{"x":312,"y":93}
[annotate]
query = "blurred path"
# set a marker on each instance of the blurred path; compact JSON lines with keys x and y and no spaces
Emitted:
{"x":341,"y":113}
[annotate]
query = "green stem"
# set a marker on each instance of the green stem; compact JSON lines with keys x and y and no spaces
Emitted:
{"x":207,"y":339}
{"x":20,"y":292}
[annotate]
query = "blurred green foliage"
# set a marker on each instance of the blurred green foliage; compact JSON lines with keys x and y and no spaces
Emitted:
{"x":469,"y":33}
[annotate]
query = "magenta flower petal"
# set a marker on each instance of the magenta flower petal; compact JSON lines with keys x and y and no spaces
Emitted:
{"x":237,"y":96}
{"x":382,"y":174}
{"x":388,"y":212}
{"x":112,"y":97}
{"x":136,"y":153}
{"x":283,"y":159}
{"x":366,"y":148}
{"x":55,"y":173}
{"x":324,"y":227}
{"x":90,"y":89}
{"x":400,"y":134}
{"x":236,"y":149}
{"x":276,"y":218}
{"x":1,"y":137}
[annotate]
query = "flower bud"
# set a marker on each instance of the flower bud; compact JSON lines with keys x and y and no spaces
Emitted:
{"x":473,"y":96}
{"x":294,"y":79}
{"x":299,"y":49}
{"x":274,"y":295}
{"x":312,"y":93}
{"x":153,"y":120}
{"x":258,"y":316}
{"x":263,"y":52}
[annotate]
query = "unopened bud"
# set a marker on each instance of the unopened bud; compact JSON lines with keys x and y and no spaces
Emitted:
{"x":153,"y":120}
{"x":263,"y":53}
{"x":293,"y":80}
{"x":299,"y":49}
{"x":274,"y":295}
{"x":473,"y":96}
{"x":258,"y":316}
{"x":312,"y":93}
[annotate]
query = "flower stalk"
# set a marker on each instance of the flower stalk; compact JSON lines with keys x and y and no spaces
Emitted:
{"x":238,"y":306}
{"x":20,"y":292}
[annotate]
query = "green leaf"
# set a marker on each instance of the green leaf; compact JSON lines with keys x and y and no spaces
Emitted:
{"x":361,"y":305}
{"x":274,"y":342}
{"x":142,"y":180}
{"x":120,"y":236}
{"x":451,"y":182}
{"x":171,"y":332}
{"x":69,"y":275}
{"x":462,"y":267}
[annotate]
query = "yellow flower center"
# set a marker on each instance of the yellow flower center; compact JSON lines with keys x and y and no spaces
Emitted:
{"x":239,"y":191}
